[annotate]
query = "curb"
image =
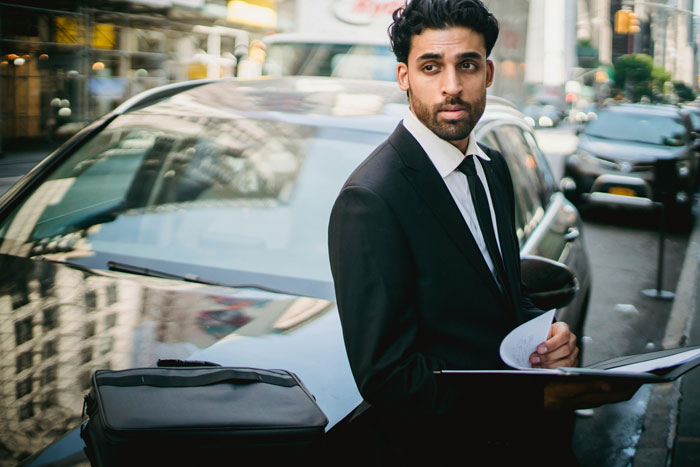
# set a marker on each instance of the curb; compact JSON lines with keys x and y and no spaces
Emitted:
{"x":661,"y":420}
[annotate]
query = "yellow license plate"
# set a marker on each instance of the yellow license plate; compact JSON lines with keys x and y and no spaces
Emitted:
{"x":617,"y":190}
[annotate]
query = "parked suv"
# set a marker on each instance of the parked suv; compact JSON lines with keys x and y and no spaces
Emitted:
{"x":651,"y":150}
{"x":192,"y":222}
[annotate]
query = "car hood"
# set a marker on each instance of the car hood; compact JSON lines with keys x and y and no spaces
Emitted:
{"x":61,"y":323}
{"x":627,"y":150}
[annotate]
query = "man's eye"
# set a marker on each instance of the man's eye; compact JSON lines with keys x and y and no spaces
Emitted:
{"x":429,"y":68}
{"x":468,"y":66}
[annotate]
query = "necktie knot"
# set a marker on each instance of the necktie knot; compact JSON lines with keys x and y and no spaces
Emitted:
{"x":467,"y":166}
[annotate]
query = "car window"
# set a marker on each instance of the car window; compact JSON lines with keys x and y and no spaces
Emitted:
{"x":241,"y":194}
{"x":524,"y":170}
{"x":489,"y":139}
{"x":646,"y":128}
{"x":544,"y":172}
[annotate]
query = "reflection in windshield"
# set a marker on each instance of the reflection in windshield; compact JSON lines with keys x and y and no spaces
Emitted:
{"x":59,"y":324}
{"x":641,"y":128}
{"x":234,"y":193}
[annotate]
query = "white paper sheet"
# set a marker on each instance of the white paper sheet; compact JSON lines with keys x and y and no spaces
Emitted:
{"x":657,"y":363}
{"x":522,"y":341}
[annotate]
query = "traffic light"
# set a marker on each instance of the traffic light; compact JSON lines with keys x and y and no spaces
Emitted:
{"x":633,"y":23}
{"x":622,"y":21}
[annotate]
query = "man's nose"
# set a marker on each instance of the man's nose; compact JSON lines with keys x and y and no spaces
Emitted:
{"x":451,"y":85}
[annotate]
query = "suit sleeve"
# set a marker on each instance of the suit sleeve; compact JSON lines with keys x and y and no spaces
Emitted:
{"x":372,"y":271}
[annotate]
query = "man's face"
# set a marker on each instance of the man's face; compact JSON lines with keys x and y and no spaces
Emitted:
{"x":446,"y":78}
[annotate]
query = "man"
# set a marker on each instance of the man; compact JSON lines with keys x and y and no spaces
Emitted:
{"x":426,"y":262}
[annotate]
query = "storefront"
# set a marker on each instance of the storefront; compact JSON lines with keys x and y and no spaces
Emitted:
{"x":64,"y":63}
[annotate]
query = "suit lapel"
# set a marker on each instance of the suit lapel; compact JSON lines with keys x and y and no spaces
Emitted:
{"x":422,"y":174}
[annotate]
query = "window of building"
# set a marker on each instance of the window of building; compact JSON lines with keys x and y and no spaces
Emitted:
{"x":111,"y":294}
{"x":49,"y":400}
{"x":23,"y":330}
{"x":26,"y":411}
{"x":50,"y":318}
{"x":24,"y":387}
{"x":20,"y":294}
{"x":90,"y":300}
{"x":48,"y":375}
{"x":89,"y":329}
{"x":110,"y":320}
{"x":86,"y":354}
{"x":24,"y":360}
{"x":49,"y":349}
{"x":106,"y":345}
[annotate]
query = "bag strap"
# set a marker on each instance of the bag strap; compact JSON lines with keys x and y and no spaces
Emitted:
{"x":204,"y":379}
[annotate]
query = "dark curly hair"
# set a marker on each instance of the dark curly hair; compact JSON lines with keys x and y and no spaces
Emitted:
{"x":417,"y":15}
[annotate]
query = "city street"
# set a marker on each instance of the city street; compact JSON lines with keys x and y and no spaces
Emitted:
{"x":623,"y":248}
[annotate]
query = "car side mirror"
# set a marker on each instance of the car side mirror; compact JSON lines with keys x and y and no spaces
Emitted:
{"x":549,"y":284}
{"x":567,"y":185}
{"x":695,"y":141}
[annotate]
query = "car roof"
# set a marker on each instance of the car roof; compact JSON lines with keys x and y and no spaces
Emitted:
{"x":649,"y":109}
{"x":302,"y":100}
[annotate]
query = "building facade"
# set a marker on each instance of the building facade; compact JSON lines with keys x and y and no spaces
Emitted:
{"x":66,"y":62}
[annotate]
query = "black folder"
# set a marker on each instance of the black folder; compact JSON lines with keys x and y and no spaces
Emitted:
{"x":610,"y":370}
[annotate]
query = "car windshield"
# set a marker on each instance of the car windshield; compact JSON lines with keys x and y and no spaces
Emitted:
{"x":638,"y":127}
{"x":230,"y":193}
{"x":356,"y":61}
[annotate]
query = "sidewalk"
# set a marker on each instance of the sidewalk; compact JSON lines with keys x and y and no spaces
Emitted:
{"x":671,"y":430}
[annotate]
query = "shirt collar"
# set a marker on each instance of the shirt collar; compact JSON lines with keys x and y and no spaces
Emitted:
{"x":444,"y":155}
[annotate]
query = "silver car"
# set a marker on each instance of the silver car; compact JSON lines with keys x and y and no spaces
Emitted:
{"x":191,"y":223}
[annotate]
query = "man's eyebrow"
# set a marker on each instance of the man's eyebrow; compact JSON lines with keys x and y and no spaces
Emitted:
{"x":437,"y":56}
{"x":466,"y":55}
{"x":429,"y":56}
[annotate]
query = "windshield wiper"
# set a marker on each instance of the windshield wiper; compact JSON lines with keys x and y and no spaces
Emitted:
{"x":142,"y":271}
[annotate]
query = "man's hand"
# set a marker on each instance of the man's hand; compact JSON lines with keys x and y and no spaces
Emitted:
{"x":559,"y":395}
{"x":558,"y":350}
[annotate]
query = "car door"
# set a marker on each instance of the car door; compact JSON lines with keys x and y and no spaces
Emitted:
{"x":546,"y":224}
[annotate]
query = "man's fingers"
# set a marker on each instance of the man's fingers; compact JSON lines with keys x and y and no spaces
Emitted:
{"x":563,"y":356}
{"x":559,"y":350}
{"x":559,"y":334}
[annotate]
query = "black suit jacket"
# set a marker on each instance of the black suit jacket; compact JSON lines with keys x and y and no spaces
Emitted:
{"x":413,"y":290}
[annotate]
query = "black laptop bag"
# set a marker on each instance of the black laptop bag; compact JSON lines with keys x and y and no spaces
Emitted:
{"x":200,"y":415}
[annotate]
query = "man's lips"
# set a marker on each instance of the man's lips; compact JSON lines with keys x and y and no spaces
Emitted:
{"x":452,"y":112}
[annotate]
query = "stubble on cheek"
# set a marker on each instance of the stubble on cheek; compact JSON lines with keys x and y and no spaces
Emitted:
{"x":449,"y":130}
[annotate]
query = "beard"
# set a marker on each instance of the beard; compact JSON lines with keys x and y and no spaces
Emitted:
{"x":449,"y":130}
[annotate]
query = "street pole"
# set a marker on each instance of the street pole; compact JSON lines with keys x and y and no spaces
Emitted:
{"x":659,"y":293}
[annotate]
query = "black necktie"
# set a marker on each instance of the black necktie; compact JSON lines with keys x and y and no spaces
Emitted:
{"x":483,"y":214}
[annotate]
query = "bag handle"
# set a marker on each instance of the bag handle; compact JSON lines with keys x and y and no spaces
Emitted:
{"x":177,"y":363}
{"x":214,"y":377}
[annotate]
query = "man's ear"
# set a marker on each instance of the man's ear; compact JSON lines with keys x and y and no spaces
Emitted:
{"x":489,"y":72}
{"x":402,"y":76}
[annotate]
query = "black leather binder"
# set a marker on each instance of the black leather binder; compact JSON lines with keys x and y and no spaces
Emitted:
{"x":662,"y":366}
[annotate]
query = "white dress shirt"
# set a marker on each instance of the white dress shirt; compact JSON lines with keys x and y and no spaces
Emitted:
{"x":446,"y":158}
